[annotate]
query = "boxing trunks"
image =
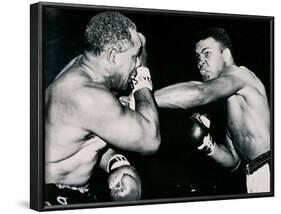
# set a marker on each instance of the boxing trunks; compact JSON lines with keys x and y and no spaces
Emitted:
{"x":258,"y":174}
{"x":60,"y":194}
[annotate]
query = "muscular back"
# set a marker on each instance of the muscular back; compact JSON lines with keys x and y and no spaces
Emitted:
{"x":71,"y":151}
{"x":248,"y":117}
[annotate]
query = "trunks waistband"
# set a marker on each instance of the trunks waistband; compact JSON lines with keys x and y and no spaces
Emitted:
{"x":257,"y":163}
{"x":81,"y":189}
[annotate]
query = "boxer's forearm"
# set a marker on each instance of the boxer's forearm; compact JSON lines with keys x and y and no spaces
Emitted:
{"x":224,"y":157}
{"x":146,"y":107}
{"x":180,"y":96}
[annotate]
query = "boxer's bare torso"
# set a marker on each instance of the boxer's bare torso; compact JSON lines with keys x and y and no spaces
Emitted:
{"x":71,"y":150}
{"x":248,"y":119}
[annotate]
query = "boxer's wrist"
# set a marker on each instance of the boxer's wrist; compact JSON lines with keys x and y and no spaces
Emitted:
{"x":208,"y":146}
{"x":117,"y":161}
{"x":142,"y":79}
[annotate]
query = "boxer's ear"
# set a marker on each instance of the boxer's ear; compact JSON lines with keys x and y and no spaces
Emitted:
{"x":111,"y":55}
{"x":142,"y":39}
{"x":227,"y":56}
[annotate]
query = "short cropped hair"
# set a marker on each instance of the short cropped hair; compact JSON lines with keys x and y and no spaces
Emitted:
{"x":108,"y":29}
{"x":219,"y":34}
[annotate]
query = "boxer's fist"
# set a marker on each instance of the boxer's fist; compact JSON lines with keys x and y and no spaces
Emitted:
{"x":141,"y":79}
{"x":198,"y":133}
{"x":124,"y":184}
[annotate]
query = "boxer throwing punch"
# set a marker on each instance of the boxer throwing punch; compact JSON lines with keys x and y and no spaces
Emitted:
{"x":247,"y":109}
{"x":84,"y":116}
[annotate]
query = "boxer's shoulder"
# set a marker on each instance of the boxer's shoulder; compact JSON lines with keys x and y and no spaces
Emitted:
{"x":252,"y":84}
{"x":240,"y":72}
{"x":90,"y":94}
{"x":90,"y":101}
{"x":240,"y":76}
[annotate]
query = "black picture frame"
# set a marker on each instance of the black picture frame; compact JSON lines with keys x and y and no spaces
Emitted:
{"x":56,"y":32}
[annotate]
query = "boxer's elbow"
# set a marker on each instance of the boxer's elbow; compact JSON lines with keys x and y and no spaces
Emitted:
{"x":155,"y":138}
{"x":150,"y":148}
{"x":155,"y":143}
{"x":149,"y":138}
{"x":233,"y":163}
{"x":235,"y":166}
{"x":150,"y":143}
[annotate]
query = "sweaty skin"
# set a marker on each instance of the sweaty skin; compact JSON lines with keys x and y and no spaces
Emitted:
{"x":247,"y":110}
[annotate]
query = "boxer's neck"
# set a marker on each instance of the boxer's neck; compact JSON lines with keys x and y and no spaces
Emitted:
{"x":95,"y":67}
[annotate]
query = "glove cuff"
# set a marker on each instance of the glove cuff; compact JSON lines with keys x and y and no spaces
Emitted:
{"x":208,"y":145}
{"x":117,"y":161}
{"x":132,"y":103}
{"x":212,"y":149}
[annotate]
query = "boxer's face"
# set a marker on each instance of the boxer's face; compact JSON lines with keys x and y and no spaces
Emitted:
{"x":128,"y":61}
{"x":209,"y":55}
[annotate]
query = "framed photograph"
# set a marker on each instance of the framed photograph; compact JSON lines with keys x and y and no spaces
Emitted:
{"x":135,"y":106}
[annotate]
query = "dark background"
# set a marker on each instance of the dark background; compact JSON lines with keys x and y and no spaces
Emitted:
{"x":176,"y":170}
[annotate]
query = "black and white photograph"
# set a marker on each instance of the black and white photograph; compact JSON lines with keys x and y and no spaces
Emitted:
{"x":145,"y":106}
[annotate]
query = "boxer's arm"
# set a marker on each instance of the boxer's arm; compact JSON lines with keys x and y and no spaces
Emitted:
{"x":102,"y":113}
{"x":199,"y":135}
{"x":194,"y":93}
{"x":106,"y":157}
{"x":226,"y":155}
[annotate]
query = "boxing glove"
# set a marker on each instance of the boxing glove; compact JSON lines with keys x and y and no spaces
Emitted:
{"x":141,"y":79}
{"x":199,"y":133}
{"x":124,"y":182}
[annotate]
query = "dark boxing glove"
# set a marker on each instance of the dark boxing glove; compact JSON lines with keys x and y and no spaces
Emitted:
{"x":124,"y":182}
{"x":199,"y":133}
